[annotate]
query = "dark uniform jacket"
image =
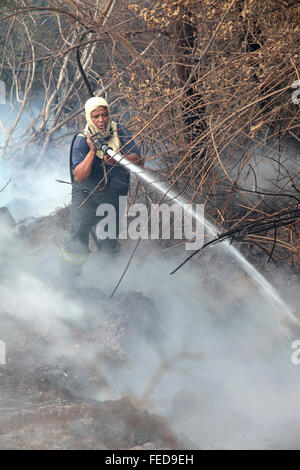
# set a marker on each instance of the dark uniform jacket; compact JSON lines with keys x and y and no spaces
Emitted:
{"x":118,"y":177}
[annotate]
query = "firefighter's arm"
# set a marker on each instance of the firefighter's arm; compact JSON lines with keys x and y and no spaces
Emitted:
{"x":83,"y":169}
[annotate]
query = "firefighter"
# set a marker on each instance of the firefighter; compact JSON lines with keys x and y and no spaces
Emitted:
{"x":89,"y":166}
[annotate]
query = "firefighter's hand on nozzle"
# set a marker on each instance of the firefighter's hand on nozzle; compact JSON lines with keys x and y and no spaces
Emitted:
{"x":106,"y":158}
{"x":90,"y":143}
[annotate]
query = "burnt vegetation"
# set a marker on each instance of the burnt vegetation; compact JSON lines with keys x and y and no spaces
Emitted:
{"x":204,"y":86}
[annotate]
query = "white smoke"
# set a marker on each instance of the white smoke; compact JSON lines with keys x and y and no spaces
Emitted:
{"x":221,"y":373}
{"x":220,"y":370}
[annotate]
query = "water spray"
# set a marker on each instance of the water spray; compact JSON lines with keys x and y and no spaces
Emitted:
{"x":168,"y":193}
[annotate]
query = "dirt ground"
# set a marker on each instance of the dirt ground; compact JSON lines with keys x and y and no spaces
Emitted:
{"x":55,"y":384}
{"x":45,"y":399}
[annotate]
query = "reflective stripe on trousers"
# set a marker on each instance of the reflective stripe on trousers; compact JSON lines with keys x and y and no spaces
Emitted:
{"x":74,"y":258}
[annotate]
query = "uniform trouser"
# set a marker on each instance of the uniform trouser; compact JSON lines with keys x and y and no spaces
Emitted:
{"x":75,"y":248}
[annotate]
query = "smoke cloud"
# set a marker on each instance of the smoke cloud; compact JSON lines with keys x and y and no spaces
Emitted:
{"x":216,"y":363}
